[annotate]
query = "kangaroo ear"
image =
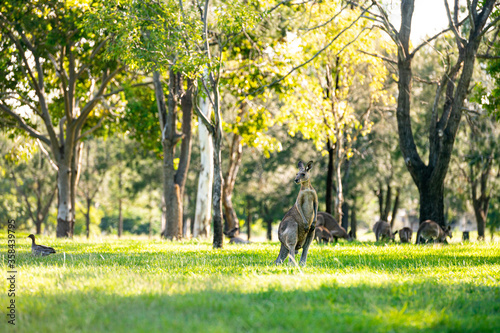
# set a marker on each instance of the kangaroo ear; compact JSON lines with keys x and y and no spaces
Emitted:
{"x":309,"y":165}
{"x":301,"y":165}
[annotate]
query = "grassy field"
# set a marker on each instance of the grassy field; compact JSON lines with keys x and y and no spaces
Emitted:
{"x":141,"y":285}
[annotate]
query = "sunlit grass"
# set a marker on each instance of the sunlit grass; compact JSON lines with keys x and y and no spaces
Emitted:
{"x":110,"y":285}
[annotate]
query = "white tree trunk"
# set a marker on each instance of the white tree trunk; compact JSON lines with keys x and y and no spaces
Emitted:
{"x":64,"y":208}
{"x":163,"y":213}
{"x":204,"y":197}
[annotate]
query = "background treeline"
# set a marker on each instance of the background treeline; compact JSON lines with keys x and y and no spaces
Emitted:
{"x":101,"y":107}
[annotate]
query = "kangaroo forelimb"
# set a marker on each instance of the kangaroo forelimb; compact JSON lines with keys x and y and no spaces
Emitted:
{"x":299,"y":208}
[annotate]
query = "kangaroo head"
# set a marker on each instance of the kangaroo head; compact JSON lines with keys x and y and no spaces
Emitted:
{"x":231,"y":233}
{"x":303,"y":174}
{"x":447,"y":232}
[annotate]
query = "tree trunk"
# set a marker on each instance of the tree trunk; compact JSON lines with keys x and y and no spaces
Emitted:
{"x":345,"y":215}
{"x":185,"y":154}
{"x":339,"y":201}
{"x":329,"y":179}
{"x":217,"y":189}
{"x":249,"y":219}
{"x":201,"y":226}
{"x":163,"y":218}
{"x":120,"y":216}
{"x":76,"y":168}
{"x":87,"y":216}
{"x":395,"y":208}
{"x":354,"y":223}
{"x":171,"y":190}
{"x":229,"y":181}
{"x":388,"y":201}
{"x":479,"y":181}
{"x":481,"y":212}
{"x":432,"y":201}
{"x":64,"y":216}
{"x":269,"y":230}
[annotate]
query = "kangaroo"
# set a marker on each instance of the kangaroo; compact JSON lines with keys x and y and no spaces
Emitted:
{"x":296,"y":230}
{"x":382,"y":231}
{"x":322,"y":235}
{"x":329,"y":222}
{"x":405,"y":235}
{"x":233,"y":239}
{"x":431,"y":230}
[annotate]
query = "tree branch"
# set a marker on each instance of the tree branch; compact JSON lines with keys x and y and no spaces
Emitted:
{"x":97,"y":96}
{"x":91,"y":130}
{"x":31,"y":131}
{"x":255,"y":92}
{"x":46,"y":153}
{"x":380,"y":57}
{"x":330,"y":20}
{"x":460,"y":40}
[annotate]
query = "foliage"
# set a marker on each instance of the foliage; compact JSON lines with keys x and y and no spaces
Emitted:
{"x":123,"y":285}
{"x":320,"y":109}
{"x":55,"y":32}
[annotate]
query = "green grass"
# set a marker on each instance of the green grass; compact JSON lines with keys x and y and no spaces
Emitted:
{"x":141,"y":285}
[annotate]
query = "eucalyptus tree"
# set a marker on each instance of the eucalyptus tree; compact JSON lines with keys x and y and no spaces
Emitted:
{"x":55,"y":80}
{"x":181,"y":41}
{"x":334,"y":88}
{"x":479,"y":163}
{"x":95,"y":165}
{"x":33,"y":178}
{"x":454,"y":85}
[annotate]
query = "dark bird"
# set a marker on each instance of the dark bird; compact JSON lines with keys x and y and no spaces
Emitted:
{"x":40,"y":250}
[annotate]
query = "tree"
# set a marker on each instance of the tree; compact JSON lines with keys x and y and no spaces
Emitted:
{"x":482,"y":158}
{"x":94,"y":168}
{"x":173,"y":38}
{"x":55,"y":77}
{"x":205,"y":180}
{"x":332,"y":97}
{"x":151,"y":38}
{"x":454,"y":84}
{"x":34,"y":183}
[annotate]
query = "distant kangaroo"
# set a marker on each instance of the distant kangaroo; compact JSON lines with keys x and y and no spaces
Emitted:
{"x":296,"y":230}
{"x":405,"y":235}
{"x":382,"y":231}
{"x":431,"y":230}
{"x":235,"y":239}
{"x":322,"y":234}
{"x":329,"y":222}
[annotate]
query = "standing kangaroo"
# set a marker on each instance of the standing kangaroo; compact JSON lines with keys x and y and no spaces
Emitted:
{"x":431,"y":230}
{"x":382,"y":231}
{"x":296,"y":230}
{"x":405,"y":235}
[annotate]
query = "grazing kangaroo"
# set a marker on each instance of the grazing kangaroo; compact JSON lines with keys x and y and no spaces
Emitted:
{"x":329,"y":222}
{"x":382,"y":231}
{"x":405,"y":235}
{"x":296,"y":230}
{"x":431,"y":230}
{"x":235,"y":239}
{"x":322,"y":234}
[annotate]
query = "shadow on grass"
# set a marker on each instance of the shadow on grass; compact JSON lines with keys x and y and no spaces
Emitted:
{"x":405,"y":307}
